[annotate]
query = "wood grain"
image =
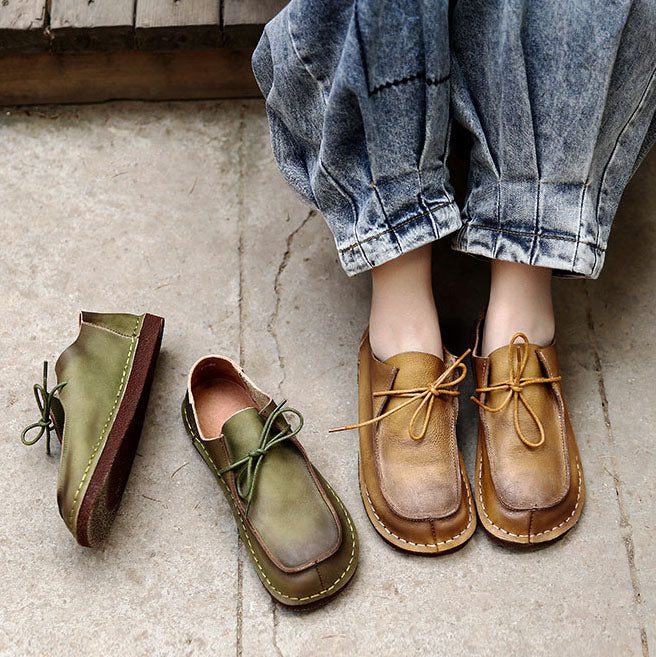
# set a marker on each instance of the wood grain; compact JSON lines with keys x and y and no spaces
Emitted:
{"x":133,"y":75}
{"x":112,"y":25}
{"x":92,"y":25}
{"x":250,"y":12}
{"x":164,"y":24}
{"x":243,"y":20}
{"x":22,"y":25}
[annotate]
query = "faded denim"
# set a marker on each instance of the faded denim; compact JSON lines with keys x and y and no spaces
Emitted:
{"x":558,"y":97}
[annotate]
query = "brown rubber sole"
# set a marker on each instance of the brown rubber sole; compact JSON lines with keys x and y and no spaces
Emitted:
{"x":103,"y":495}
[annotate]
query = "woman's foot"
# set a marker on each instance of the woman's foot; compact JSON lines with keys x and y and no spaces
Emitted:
{"x":528,"y":476}
{"x":529,"y":479}
{"x":520,"y":301}
{"x":403,"y":312}
{"x":413,"y":481}
{"x":412,"y":477}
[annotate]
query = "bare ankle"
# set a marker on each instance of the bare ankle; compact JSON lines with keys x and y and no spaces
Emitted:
{"x":500,"y":327}
{"x":388,"y":339}
{"x":403,"y":314}
{"x":520,"y":301}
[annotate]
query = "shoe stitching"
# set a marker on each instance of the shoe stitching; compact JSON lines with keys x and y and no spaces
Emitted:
{"x":557,"y":400}
{"x":104,"y":328}
{"x":96,"y":447}
{"x":248,"y":540}
{"x":546,"y":531}
{"x":319,"y":576}
{"x":436,"y":544}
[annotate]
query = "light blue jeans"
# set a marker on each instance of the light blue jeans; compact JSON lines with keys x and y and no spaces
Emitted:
{"x":559,"y":98}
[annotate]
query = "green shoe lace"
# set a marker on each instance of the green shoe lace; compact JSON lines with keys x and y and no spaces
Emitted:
{"x":44,"y":402}
{"x":248,"y":467}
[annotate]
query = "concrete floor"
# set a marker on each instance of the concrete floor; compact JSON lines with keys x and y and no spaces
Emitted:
{"x":178,"y":209}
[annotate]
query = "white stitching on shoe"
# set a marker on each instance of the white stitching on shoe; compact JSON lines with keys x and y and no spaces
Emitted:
{"x":546,"y":531}
{"x":103,"y":431}
{"x":104,"y":328}
{"x":404,"y":540}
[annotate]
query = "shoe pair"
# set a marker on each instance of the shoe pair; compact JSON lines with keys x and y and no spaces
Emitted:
{"x":528,"y":484}
{"x":298,"y":533}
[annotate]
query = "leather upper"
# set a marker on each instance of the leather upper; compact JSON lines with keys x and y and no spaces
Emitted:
{"x":290,"y":514}
{"x":296,"y":528}
{"x":524,"y":477}
{"x":415,"y":490}
{"x":526,"y":493}
{"x":419,"y":479}
{"x":96,"y":367}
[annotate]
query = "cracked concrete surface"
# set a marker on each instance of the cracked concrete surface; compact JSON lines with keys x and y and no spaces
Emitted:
{"x":178,"y":209}
{"x":272,"y":325}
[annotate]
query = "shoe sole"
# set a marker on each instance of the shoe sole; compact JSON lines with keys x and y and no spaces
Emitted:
{"x":103,"y":495}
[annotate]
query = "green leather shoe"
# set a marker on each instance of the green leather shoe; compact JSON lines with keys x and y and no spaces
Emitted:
{"x":97,"y":411}
{"x":298,"y":534}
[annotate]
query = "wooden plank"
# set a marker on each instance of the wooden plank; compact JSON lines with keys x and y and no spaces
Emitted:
{"x":243,"y":20}
{"x":22,"y":25}
{"x":79,"y":25}
{"x":166,"y":24}
{"x":97,"y":77}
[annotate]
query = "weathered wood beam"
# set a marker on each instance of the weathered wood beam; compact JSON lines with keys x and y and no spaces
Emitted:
{"x":167,"y":24}
{"x":92,"y":25}
{"x":243,"y":20}
{"x":45,"y":78}
{"x":23,"y":25}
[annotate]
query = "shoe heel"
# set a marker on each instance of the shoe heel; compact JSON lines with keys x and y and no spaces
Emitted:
{"x":103,"y":496}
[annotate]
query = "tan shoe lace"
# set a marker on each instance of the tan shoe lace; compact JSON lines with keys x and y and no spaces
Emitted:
{"x":425,"y":395}
{"x":517,"y":359}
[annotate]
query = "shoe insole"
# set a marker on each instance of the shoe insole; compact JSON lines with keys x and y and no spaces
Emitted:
{"x":217,"y":400}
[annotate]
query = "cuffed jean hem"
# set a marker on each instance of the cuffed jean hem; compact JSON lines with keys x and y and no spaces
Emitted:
{"x":557,"y":252}
{"x":541,"y":223}
{"x":427,"y":225}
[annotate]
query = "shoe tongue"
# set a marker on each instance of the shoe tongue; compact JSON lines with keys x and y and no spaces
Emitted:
{"x":242,"y":432}
{"x":500,"y":367}
{"x":415,"y":369}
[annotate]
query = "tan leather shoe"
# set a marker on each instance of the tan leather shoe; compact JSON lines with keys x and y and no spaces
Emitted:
{"x":412,"y":476}
{"x":529,"y":480}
